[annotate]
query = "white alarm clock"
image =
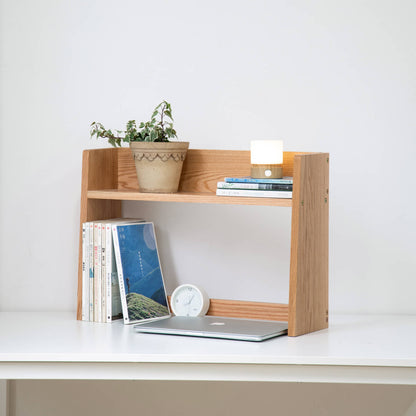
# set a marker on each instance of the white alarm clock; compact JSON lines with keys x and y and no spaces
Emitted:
{"x":189,"y":300}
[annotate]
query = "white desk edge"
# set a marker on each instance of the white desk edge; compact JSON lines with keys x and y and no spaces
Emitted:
{"x":355,"y":349}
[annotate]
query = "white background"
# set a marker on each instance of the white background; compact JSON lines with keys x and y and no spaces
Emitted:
{"x":332,"y":76}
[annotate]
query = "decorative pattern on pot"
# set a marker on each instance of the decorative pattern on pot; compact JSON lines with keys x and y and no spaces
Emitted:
{"x":164,"y":157}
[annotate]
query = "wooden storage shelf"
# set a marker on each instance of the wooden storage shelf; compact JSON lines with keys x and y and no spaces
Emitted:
{"x":109,"y":177}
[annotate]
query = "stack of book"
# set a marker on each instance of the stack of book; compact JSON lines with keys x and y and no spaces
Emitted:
{"x":257,"y":188}
{"x":100,"y":285}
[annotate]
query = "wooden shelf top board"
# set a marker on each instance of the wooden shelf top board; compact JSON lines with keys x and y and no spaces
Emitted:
{"x":190,"y":197}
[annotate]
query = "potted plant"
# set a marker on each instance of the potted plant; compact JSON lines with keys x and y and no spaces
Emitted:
{"x":158,"y":160}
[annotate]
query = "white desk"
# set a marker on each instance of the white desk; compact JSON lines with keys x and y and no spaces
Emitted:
{"x":356,"y":349}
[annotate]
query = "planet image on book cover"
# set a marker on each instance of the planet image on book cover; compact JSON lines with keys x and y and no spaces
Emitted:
{"x":143,"y":281}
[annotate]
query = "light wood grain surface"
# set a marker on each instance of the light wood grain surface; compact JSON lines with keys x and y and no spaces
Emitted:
{"x":308,"y":288}
{"x":247,"y":309}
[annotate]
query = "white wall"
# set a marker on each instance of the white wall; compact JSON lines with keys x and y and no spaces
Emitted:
{"x":323,"y":76}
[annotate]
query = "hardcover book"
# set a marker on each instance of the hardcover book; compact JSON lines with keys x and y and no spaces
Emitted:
{"x":248,"y":179}
{"x":142,"y":288}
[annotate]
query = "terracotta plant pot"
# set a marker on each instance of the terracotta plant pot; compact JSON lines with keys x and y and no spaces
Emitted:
{"x":159,"y":165}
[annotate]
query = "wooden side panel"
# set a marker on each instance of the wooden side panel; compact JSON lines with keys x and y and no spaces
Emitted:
{"x":308,"y":288}
{"x":202,"y":169}
{"x":99,"y":171}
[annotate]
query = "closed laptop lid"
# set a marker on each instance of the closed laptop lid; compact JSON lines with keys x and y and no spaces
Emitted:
{"x":215,"y":327}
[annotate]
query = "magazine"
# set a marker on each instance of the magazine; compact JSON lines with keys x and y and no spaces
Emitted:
{"x":142,"y":289}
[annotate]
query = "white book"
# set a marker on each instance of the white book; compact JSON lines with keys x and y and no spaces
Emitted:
{"x":112,"y":293}
{"x":113,"y":307}
{"x":97,"y":272}
{"x":85,"y":273}
{"x":91,"y":269}
{"x":254,"y":193}
{"x":120,"y":275}
{"x":103,"y":275}
{"x":260,"y":186}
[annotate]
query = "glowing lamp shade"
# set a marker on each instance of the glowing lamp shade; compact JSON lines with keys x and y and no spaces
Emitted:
{"x":266,"y":158}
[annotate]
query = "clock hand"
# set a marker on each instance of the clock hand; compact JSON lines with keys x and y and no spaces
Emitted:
{"x":189,"y":299}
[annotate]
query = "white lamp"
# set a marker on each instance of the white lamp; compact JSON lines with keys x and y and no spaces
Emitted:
{"x":266,"y":159}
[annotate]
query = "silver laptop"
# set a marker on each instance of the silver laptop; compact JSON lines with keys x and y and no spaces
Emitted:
{"x":215,"y":327}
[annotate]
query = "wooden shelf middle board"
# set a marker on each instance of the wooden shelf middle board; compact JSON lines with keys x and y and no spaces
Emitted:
{"x":189,"y":197}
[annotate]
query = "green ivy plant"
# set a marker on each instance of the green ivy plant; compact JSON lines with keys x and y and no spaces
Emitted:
{"x":158,"y":129}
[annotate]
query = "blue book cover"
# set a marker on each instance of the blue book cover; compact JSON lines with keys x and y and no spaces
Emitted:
{"x":142,"y":289}
{"x":288,"y":180}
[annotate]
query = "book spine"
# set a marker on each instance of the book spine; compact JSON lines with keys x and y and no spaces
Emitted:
{"x":91,"y":268}
{"x":120,"y":275}
{"x":103,"y":276}
{"x":259,"y":186}
{"x":108,"y":270}
{"x":97,"y":272}
{"x":285,"y":181}
{"x":254,"y":193}
{"x":85,"y":273}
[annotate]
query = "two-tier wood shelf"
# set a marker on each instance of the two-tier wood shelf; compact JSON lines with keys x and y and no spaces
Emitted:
{"x":109,"y":177}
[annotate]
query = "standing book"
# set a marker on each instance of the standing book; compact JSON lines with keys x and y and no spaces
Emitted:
{"x":97,"y":272}
{"x":142,"y":288}
{"x":89,"y":256}
{"x":112,"y":294}
{"x":85,"y":272}
{"x":113,"y":302}
{"x":103,"y":274}
{"x":91,"y":268}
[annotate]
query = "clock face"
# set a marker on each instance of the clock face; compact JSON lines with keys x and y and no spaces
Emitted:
{"x":189,"y":300}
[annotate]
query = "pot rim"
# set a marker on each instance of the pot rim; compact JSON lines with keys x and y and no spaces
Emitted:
{"x":142,"y":143}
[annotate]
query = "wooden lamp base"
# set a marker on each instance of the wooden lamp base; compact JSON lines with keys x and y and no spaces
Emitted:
{"x":266,"y":171}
